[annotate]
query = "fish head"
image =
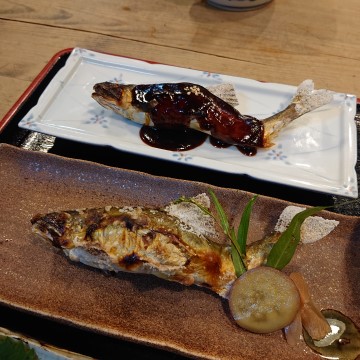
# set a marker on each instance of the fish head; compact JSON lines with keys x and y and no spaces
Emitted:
{"x":51,"y":227}
{"x":112,"y":96}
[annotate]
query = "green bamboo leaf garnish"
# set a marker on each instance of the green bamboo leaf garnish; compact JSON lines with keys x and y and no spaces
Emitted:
{"x":238,"y":262}
{"x":224,"y":222}
{"x":244,"y":226}
{"x":238,"y":243}
{"x":284,"y":249}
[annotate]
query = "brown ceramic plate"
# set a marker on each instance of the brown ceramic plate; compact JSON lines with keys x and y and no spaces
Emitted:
{"x":36,"y":277}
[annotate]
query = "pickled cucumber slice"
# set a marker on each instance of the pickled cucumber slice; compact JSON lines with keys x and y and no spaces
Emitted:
{"x":264,"y":300}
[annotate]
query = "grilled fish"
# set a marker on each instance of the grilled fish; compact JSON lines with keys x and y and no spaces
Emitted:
{"x":173,"y":105}
{"x":160,"y":242}
{"x":179,"y":242}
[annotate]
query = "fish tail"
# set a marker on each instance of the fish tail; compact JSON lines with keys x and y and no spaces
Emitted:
{"x":306,"y":99}
{"x":258,"y":251}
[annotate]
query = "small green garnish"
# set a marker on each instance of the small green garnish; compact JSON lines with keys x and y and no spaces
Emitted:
{"x":238,"y":242}
{"x":13,"y":349}
{"x":284,"y":249}
{"x":281,"y":252}
{"x":244,"y":226}
{"x":224,"y":222}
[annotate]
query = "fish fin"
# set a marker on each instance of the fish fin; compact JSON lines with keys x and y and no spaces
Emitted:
{"x":225,"y":92}
{"x":305,"y":100}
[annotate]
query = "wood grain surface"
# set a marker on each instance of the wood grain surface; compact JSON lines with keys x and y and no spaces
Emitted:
{"x":286,"y":41}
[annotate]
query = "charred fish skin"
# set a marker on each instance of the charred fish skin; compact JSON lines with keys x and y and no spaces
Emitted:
{"x":192,"y":105}
{"x":138,"y":240}
{"x":172,"y":105}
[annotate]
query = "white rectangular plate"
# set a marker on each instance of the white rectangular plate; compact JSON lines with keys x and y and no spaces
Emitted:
{"x":318,"y":151}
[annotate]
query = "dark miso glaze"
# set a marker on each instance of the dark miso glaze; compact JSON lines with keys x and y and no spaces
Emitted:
{"x":218,"y":143}
{"x":246,"y":150}
{"x":182,"y":139}
{"x":179,"y":104}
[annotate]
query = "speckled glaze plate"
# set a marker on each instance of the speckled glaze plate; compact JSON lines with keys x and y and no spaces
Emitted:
{"x":316,"y":152}
{"x":37,"y":278}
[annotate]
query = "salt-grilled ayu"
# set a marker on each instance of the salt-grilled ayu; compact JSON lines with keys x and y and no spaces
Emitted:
{"x":179,"y":242}
{"x":142,"y":240}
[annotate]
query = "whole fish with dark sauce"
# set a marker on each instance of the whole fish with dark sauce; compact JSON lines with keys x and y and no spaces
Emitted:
{"x":186,"y":105}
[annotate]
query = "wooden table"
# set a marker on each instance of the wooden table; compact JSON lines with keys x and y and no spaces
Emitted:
{"x":286,"y":42}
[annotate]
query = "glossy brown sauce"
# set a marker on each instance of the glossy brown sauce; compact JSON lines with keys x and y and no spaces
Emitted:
{"x":182,"y":139}
{"x":175,"y":105}
{"x":247,"y":150}
{"x":218,"y":143}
